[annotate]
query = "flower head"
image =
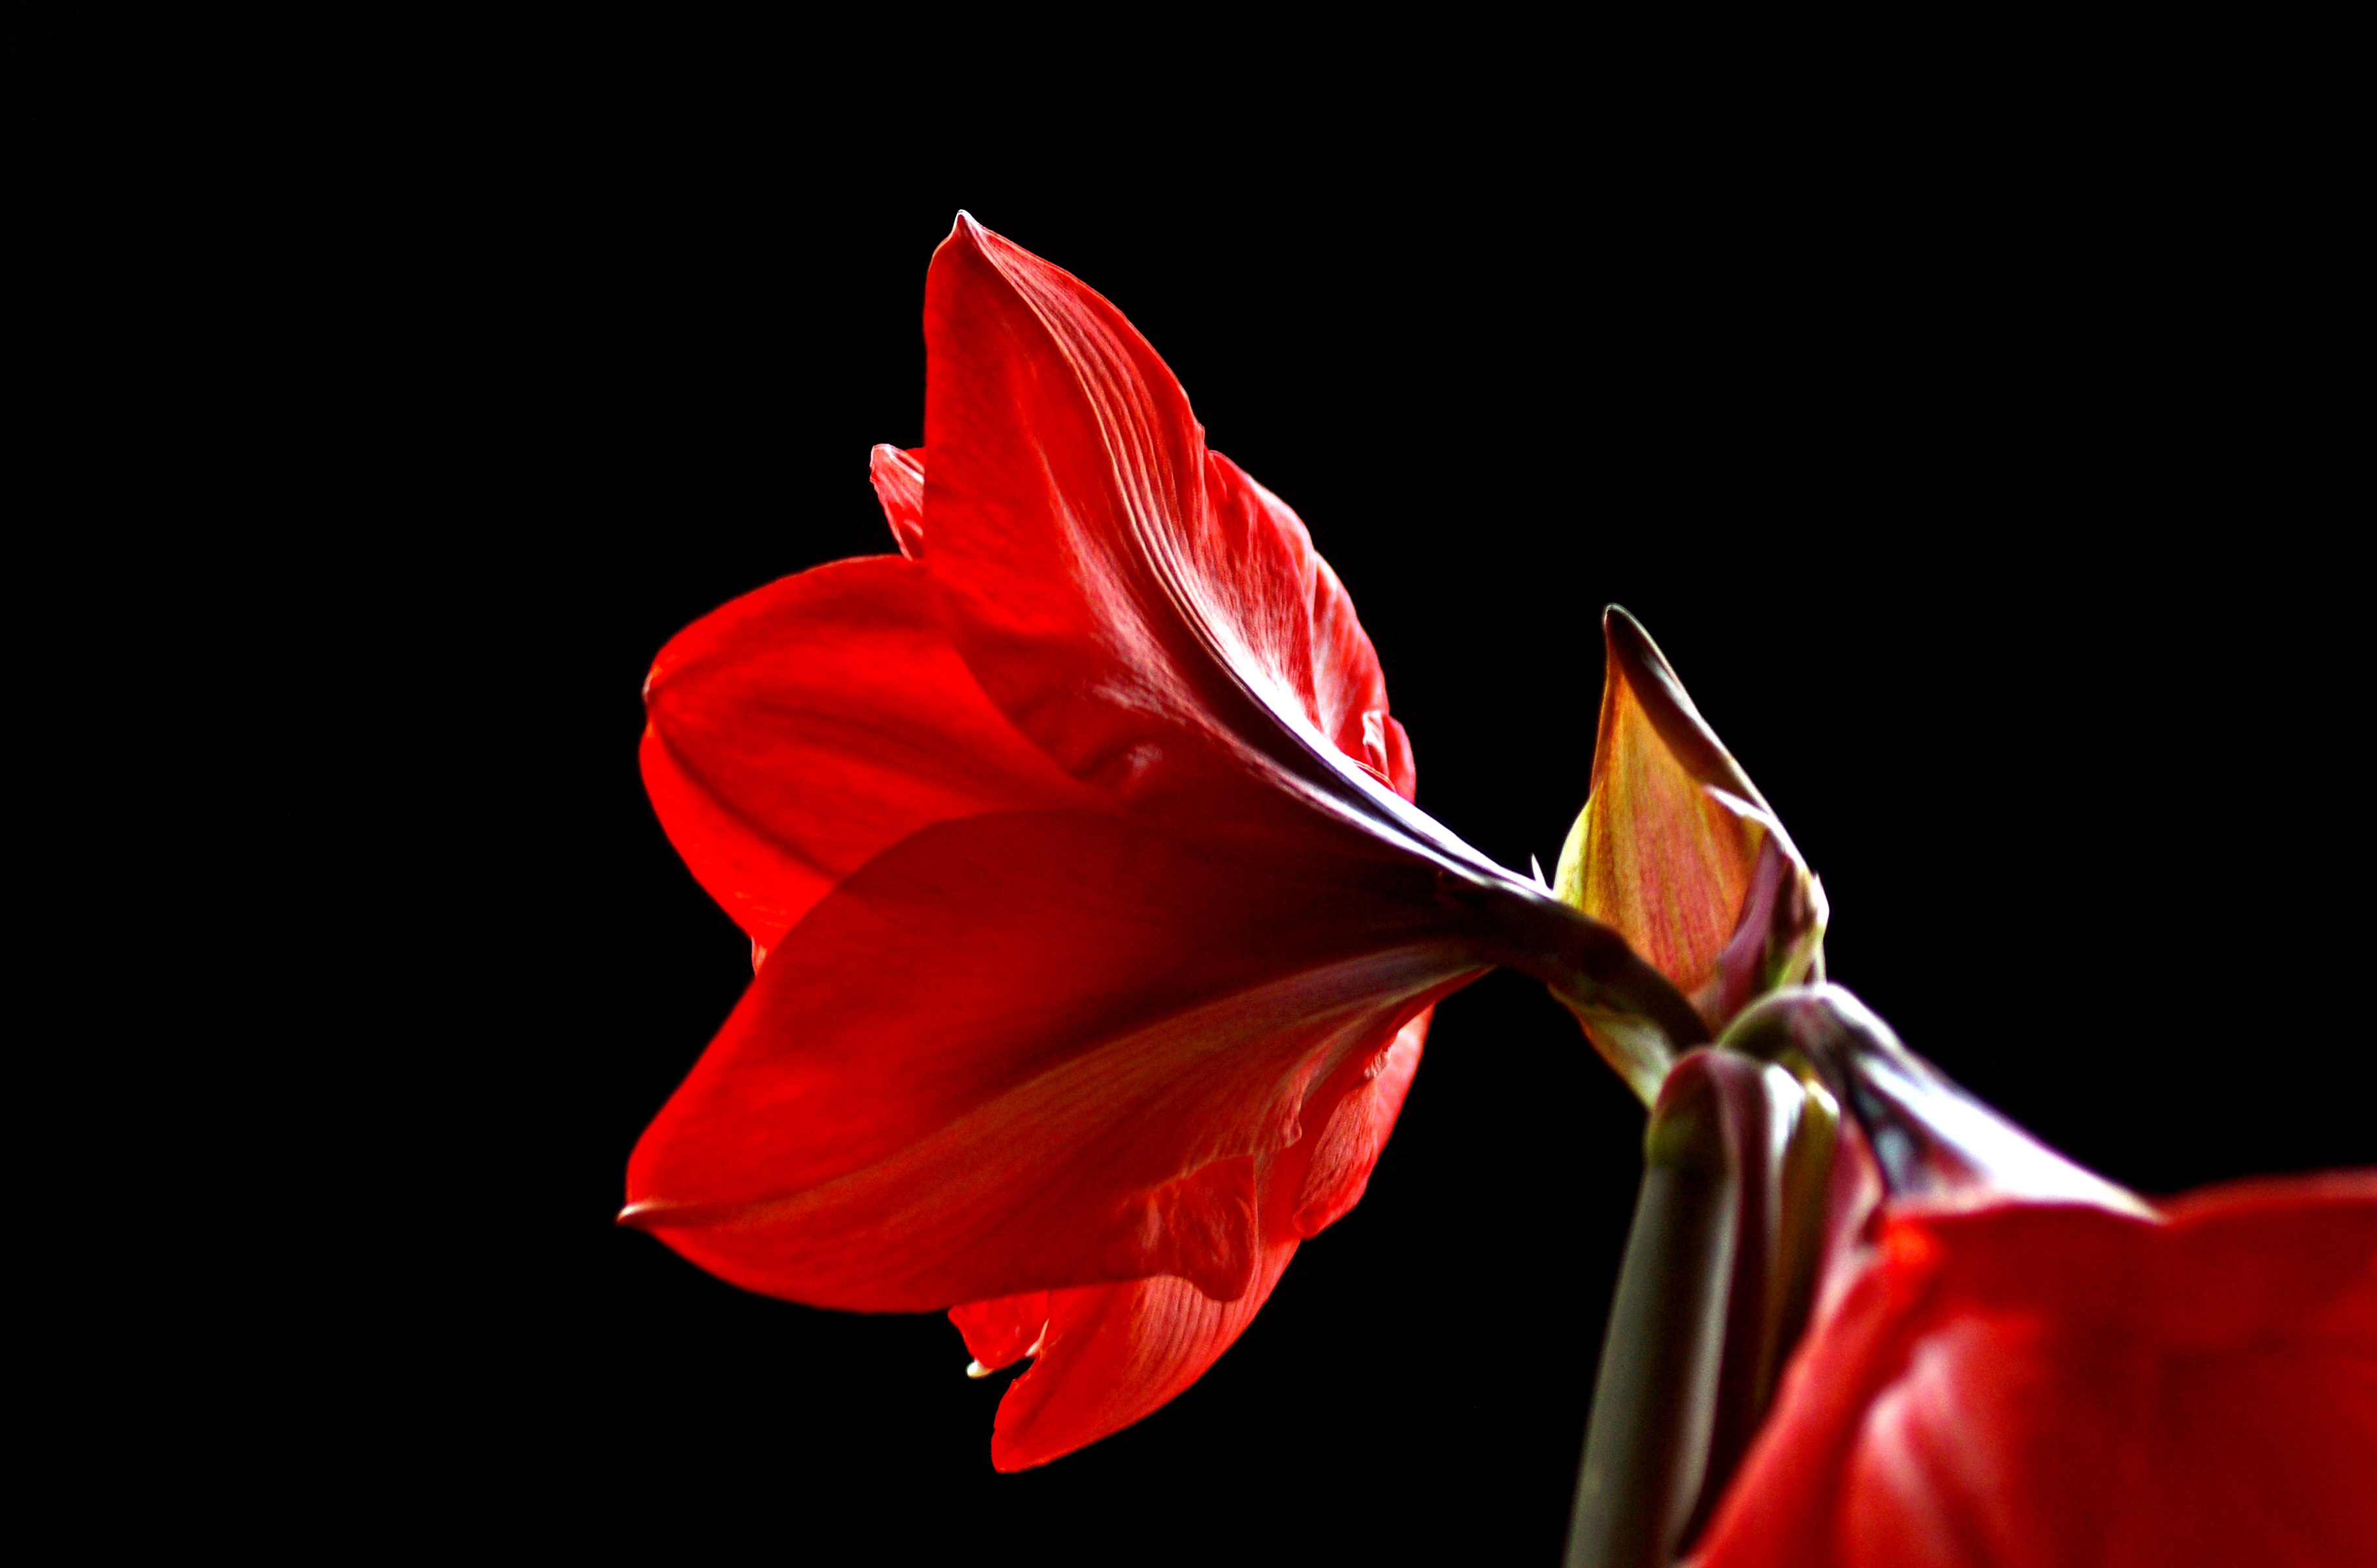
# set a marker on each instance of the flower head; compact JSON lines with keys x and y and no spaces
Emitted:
{"x":1096,"y":932}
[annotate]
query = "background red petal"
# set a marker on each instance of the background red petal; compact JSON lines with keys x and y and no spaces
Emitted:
{"x":2038,"y":1383}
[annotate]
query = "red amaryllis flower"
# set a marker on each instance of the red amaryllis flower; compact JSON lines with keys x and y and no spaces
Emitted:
{"x":2046,"y":1384}
{"x":1096,"y":934}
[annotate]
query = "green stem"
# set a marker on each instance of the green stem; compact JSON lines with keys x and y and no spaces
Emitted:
{"x":1710,"y":1298}
{"x":1646,"y":1445}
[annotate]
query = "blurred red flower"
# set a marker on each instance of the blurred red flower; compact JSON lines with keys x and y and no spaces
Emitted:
{"x":2050,"y":1384}
{"x":1097,"y":936}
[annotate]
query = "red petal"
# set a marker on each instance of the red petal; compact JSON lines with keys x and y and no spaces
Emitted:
{"x":799,"y":731}
{"x":1297,"y":625}
{"x":1114,"y":1353}
{"x":1025,"y":1051}
{"x":1002,"y":1330}
{"x":900,"y":485}
{"x":2050,"y":1385}
{"x":1155,"y":620}
{"x":1385,"y":749}
{"x":1347,"y":1146}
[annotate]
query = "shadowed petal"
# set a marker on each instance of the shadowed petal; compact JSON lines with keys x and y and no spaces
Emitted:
{"x":802,"y":729}
{"x":1025,"y":1051}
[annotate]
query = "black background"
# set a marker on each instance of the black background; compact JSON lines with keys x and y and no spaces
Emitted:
{"x":1981,"y":492}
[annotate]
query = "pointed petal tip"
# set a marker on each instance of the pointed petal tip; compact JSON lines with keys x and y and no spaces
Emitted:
{"x":1622,"y":630}
{"x":965,"y":235}
{"x":642,"y":1215}
{"x":1635,"y":656}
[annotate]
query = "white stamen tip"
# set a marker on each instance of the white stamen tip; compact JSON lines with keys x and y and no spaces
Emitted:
{"x":977,"y":1369}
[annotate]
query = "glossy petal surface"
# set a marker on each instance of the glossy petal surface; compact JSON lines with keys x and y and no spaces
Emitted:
{"x":2042,"y":1384}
